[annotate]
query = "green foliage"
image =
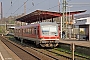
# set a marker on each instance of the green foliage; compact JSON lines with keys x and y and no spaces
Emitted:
{"x":70,"y":52}
{"x":2,"y":29}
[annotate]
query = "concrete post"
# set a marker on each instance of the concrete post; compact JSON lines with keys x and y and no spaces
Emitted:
{"x":89,"y":32}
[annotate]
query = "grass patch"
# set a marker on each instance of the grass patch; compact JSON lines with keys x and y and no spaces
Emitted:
{"x":70,"y":52}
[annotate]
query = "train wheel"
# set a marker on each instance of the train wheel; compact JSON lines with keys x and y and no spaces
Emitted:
{"x":37,"y":45}
{"x":16,"y":38}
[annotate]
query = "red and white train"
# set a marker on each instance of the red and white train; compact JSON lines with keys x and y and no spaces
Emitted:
{"x":45,"y":34}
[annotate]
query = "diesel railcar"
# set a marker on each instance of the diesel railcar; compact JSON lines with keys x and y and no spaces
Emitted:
{"x":45,"y":34}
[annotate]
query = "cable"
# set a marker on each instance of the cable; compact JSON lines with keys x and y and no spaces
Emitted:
{"x":10,"y":7}
{"x":37,"y":4}
{"x":20,"y":6}
{"x":68,"y":0}
{"x":52,"y":7}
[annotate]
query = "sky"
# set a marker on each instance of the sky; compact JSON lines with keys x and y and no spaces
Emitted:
{"x":16,"y":7}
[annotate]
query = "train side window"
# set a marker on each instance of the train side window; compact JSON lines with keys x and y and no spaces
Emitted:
{"x":30,"y":30}
{"x":16,"y":30}
{"x":23,"y":30}
{"x":26,"y":31}
{"x":19,"y":31}
{"x":34,"y":30}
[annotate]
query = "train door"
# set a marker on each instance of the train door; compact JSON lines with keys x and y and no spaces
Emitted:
{"x":36,"y":31}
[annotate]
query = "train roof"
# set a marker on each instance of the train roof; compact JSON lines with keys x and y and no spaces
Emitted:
{"x":36,"y":24}
{"x":45,"y":23}
{"x":19,"y":27}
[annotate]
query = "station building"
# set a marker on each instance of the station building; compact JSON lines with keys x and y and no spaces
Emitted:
{"x":83,"y":23}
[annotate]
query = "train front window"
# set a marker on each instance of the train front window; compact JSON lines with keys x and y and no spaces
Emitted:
{"x":49,"y":30}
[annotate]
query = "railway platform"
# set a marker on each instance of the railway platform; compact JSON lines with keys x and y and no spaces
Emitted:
{"x":6,"y":53}
{"x":83,"y":43}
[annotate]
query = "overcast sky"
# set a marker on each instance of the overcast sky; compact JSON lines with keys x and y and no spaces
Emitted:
{"x":16,"y":7}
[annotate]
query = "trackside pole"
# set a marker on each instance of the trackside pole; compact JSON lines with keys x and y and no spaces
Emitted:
{"x":61,"y":27}
{"x":72,"y":49}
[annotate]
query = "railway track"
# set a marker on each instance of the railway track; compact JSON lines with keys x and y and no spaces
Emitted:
{"x":43,"y":51}
{"x":27,"y":52}
{"x":67,"y":55}
{"x":21,"y":53}
{"x":42,"y":54}
{"x":55,"y":53}
{"x":77,"y":57}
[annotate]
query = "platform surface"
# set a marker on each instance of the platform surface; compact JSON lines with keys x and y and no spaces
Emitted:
{"x":6,"y":53}
{"x":76,"y":42}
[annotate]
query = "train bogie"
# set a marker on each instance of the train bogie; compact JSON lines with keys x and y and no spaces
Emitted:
{"x":49,"y":44}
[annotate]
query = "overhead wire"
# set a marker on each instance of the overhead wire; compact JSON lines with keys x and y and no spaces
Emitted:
{"x":36,"y":4}
{"x":68,"y":0}
{"x":52,"y":7}
{"x":11,"y":6}
{"x":59,"y":4}
{"x":69,"y":3}
{"x":20,"y":6}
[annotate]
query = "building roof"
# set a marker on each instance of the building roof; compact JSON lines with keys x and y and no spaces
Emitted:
{"x":82,"y":16}
{"x":42,"y":15}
